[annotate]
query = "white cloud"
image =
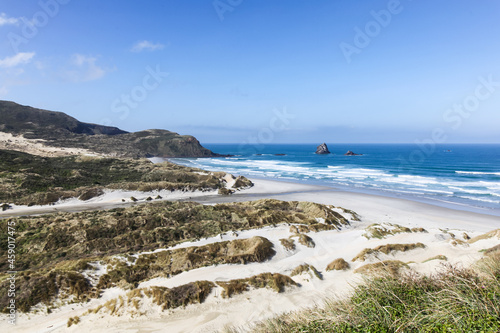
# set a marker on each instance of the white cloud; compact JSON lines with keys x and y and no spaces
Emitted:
{"x":3,"y":91}
{"x":146,"y":45}
{"x":85,"y":69}
{"x":18,"y":59}
{"x":5,"y":20}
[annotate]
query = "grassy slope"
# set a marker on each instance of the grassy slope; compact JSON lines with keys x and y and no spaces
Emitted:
{"x":454,"y":300}
{"x":28,"y":179}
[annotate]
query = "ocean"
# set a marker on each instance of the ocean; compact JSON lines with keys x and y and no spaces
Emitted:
{"x":460,"y":176}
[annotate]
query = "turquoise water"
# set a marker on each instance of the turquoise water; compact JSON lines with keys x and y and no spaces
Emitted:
{"x":466,"y":176}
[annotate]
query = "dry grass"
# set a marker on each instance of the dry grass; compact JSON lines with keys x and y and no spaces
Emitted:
{"x":488,"y":235}
{"x":388,"y":229}
{"x":392,"y":267}
{"x":493,"y":251}
{"x":306,"y":268}
{"x":275,"y":281}
{"x":191,"y":293}
{"x":386,"y":249}
{"x":288,"y":244}
{"x":338,"y":265}
{"x":306,"y":241}
{"x":73,"y":321}
{"x":438,"y":257}
{"x":453,"y":300}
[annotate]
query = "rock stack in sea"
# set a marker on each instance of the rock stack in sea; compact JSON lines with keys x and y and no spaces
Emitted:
{"x":351,"y":153}
{"x":322,"y":149}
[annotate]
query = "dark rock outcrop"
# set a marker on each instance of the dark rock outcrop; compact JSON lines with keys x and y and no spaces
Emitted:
{"x":57,"y":129}
{"x":322,"y":149}
{"x":351,"y":153}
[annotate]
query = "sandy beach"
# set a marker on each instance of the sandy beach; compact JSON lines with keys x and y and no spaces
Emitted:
{"x":447,"y":233}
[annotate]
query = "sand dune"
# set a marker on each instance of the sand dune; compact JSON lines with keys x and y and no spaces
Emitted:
{"x":444,"y":237}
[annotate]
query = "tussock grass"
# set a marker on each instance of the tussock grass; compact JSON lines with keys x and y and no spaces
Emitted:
{"x":73,"y":321}
{"x":276,"y":282}
{"x":338,"y":265}
{"x":488,"y":235}
{"x":388,"y":229}
{"x":438,"y":257}
{"x":288,"y":244}
{"x":56,"y":248}
{"x":453,"y":300}
{"x":306,"y":268}
{"x":392,"y":267}
{"x":386,"y":249}
{"x":306,"y":241}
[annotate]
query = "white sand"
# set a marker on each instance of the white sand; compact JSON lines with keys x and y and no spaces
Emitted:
{"x":255,"y":305}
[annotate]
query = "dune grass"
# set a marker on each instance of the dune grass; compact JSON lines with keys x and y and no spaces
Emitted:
{"x":386,"y":249}
{"x":453,"y":300}
{"x":338,"y":264}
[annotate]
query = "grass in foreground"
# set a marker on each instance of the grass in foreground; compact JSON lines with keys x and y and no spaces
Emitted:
{"x":454,"y":300}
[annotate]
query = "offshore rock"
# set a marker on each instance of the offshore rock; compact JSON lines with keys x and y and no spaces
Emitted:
{"x":351,"y":153}
{"x":322,"y":149}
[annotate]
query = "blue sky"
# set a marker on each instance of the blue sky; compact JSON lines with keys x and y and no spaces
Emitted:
{"x":261,"y":70}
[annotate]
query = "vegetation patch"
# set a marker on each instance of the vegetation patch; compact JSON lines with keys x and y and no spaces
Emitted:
{"x":242,"y":182}
{"x":488,"y":235}
{"x":64,"y":243}
{"x":34,"y":180}
{"x":191,"y":293}
{"x":43,"y":241}
{"x":338,"y":265}
{"x":225,"y":191}
{"x":73,"y":321}
{"x":493,"y":251}
{"x":306,"y":268}
{"x":392,"y":267}
{"x":276,"y":282}
{"x":306,"y":240}
{"x":386,"y":249}
{"x":388,"y":229}
{"x":288,"y":244}
{"x":171,"y":262}
{"x":33,"y":288}
{"x":454,"y":300}
{"x":438,"y":257}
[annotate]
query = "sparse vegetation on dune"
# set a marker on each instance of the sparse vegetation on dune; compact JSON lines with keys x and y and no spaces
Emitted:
{"x":383,"y":230}
{"x":488,"y":235}
{"x":33,"y":180}
{"x":276,"y":282}
{"x":392,"y":267}
{"x":338,"y":265}
{"x":438,"y":257}
{"x":168,"y":298}
{"x":453,"y":300}
{"x":288,"y":244}
{"x":49,"y":239}
{"x":306,"y":268}
{"x":386,"y":249}
{"x":171,"y":262}
{"x":54,"y":249}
